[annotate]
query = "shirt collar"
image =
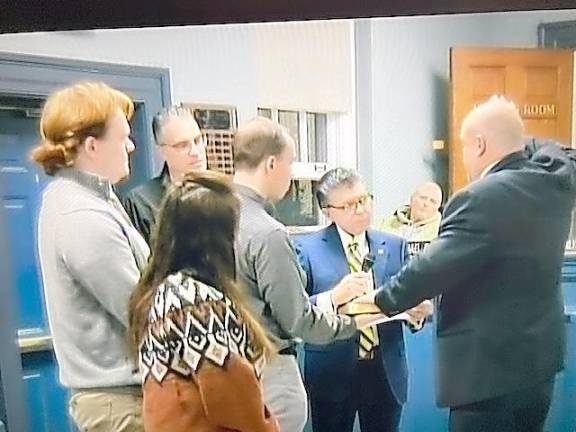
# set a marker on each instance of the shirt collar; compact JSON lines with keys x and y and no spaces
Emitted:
{"x":347,"y":239}
{"x":164,"y":176}
{"x":251,"y":194}
{"x":101,"y":186}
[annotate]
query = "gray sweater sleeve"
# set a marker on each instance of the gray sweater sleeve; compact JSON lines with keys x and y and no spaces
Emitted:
{"x":98,"y":256}
{"x":281,"y":284}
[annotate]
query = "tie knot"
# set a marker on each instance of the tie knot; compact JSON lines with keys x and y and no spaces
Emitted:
{"x":354,"y":252}
{"x":353,"y":247}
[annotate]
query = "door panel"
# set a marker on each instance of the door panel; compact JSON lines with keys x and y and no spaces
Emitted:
{"x":22,"y":184}
{"x":539,"y":81}
{"x":47,"y":401}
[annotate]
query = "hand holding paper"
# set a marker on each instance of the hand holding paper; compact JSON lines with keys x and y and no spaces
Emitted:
{"x":418,"y":313}
{"x":369,"y":319}
{"x":366,"y":305}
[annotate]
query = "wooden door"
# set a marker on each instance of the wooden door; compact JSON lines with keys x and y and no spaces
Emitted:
{"x":539,"y":81}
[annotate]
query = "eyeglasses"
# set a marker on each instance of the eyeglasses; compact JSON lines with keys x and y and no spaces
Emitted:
{"x":352,"y":207}
{"x":184,"y":147}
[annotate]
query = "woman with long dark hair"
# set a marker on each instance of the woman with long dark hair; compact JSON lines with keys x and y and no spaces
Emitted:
{"x":198,"y":348}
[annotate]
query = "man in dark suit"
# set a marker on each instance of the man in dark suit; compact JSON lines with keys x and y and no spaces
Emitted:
{"x":367,"y":373}
{"x":496,"y":266}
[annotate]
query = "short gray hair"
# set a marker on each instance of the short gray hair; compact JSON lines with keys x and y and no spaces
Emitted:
{"x":334,"y":179}
{"x":162,"y":117}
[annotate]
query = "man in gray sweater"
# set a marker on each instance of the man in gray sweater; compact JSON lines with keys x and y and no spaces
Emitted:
{"x":268,"y":268}
{"x":90,"y":254}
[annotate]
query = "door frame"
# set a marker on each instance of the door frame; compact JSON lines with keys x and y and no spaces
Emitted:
{"x":13,"y":408}
{"x":37,"y":76}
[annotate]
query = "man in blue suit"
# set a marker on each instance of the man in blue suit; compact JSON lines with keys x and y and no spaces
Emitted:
{"x":365,"y":374}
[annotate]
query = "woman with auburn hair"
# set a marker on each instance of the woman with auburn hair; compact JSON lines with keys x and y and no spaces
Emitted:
{"x":90,"y":254}
{"x":199,"y":349}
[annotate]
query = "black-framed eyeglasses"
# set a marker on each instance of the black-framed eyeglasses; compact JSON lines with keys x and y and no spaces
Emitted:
{"x":352,"y":207}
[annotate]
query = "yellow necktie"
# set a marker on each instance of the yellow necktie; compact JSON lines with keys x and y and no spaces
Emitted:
{"x":369,"y":335}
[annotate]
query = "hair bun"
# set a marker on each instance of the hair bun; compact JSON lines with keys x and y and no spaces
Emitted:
{"x":51,"y":156}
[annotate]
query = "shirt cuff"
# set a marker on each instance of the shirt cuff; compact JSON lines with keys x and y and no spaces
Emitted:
{"x":324,"y":302}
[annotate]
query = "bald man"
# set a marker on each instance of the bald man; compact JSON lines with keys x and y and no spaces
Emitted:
{"x":496,"y":264}
{"x":418,"y":222}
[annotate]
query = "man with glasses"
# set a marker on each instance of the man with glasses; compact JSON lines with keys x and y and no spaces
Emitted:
{"x":365,"y":374}
{"x":183,"y":147}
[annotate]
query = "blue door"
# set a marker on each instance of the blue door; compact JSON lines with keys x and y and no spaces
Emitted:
{"x":22,"y":183}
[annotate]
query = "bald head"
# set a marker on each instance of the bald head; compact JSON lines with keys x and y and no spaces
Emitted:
{"x":425,"y":202}
{"x":491,"y":131}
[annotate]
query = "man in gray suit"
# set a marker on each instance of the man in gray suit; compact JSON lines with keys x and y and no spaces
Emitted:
{"x":268,"y":268}
{"x":496,"y":265}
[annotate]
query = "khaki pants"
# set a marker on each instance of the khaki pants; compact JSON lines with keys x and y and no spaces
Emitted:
{"x":107,"y":410}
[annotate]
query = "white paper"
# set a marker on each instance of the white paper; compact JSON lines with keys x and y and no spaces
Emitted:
{"x":399,"y":317}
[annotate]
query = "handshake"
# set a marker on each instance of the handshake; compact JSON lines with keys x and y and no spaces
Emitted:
{"x":353,"y":296}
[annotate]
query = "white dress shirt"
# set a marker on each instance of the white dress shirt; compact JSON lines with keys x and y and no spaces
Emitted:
{"x":324,"y":300}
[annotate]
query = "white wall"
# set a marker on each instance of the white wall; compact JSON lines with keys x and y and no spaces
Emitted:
{"x":410,"y":72}
{"x":306,"y":65}
{"x":200,"y":58}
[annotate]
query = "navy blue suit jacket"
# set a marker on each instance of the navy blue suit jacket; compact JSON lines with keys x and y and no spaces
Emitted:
{"x":328,"y":369}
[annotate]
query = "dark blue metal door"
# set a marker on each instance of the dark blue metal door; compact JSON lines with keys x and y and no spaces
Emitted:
{"x":22,"y":184}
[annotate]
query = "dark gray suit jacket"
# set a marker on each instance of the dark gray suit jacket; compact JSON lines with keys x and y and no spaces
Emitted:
{"x":497,"y":265}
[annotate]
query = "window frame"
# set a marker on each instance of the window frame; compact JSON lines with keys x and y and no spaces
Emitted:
{"x":303,"y":150}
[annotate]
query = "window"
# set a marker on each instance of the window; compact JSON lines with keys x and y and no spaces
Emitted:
{"x":289,"y":119}
{"x":317,"y":137}
{"x":298,"y":207}
{"x":309,"y":130}
{"x":265,"y":112}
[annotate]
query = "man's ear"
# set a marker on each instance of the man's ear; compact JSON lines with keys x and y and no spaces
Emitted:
{"x":90,"y":146}
{"x":480,"y":141}
{"x":270,"y":163}
{"x":326,"y":211}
